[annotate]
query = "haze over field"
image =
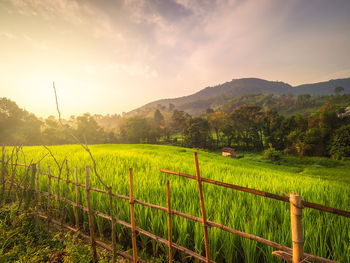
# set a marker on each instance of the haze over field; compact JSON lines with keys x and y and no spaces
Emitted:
{"x":114,"y":56}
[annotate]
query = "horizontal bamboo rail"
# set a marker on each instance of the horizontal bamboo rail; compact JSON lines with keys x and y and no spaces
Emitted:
{"x":262,"y":193}
{"x":91,"y":188}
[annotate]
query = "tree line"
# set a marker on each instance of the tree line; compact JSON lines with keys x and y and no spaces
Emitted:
{"x":246,"y":127}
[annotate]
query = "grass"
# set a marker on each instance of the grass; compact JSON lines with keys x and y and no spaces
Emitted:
{"x":22,"y":241}
{"x":318,"y":180}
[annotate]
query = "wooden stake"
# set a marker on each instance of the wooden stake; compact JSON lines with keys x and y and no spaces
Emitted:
{"x":37,"y":193}
{"x":30,"y":191}
{"x":48,"y":200}
{"x":114,"y":243}
{"x":76,"y":198}
{"x":169,"y":222}
{"x":13,"y":168}
{"x":204,"y":217}
{"x":90,"y":215}
{"x":59,"y":203}
{"x":3,"y":173}
{"x":64,"y":217}
{"x":297,"y":228}
{"x":133,"y":227}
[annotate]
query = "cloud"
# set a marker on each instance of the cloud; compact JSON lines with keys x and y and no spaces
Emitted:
{"x":68,"y":10}
{"x":175,"y":47}
{"x":7,"y":35}
{"x":344,"y":73}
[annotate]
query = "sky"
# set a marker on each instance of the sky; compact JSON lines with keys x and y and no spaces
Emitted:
{"x":109,"y":57}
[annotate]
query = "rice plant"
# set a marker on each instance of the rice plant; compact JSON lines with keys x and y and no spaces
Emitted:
{"x":325,"y":235}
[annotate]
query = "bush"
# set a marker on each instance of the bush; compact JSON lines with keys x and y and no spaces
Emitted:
{"x":340,"y":147}
{"x":272,"y":154}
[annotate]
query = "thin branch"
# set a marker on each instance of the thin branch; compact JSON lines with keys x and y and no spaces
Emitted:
{"x":54,"y":158}
{"x":85,"y":146}
{"x":60,"y":166}
{"x":42,"y":158}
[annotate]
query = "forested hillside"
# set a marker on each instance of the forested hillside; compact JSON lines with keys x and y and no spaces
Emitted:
{"x":212,"y":97}
{"x":301,"y":125}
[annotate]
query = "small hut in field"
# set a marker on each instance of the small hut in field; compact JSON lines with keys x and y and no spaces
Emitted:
{"x":229,"y":152}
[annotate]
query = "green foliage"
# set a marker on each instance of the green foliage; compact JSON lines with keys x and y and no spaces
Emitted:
{"x":340,"y":147}
{"x":22,"y":241}
{"x":272,"y":154}
{"x":158,"y":117}
{"x":318,"y":180}
{"x":303,"y":100}
{"x":88,"y":129}
{"x":197,"y":133}
{"x":338,"y":90}
{"x":17,"y":126}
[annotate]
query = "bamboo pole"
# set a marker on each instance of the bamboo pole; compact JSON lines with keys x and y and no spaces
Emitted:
{"x":132,"y":215}
{"x":76,"y":197}
{"x":12,"y":177}
{"x":37,"y":193}
{"x":114,"y":244}
{"x":64,"y":217}
{"x":48,"y":200}
{"x":30,"y":191}
{"x":297,"y":227}
{"x":204,"y":217}
{"x":91,"y":226}
{"x":169,"y":222}
{"x":3,"y":173}
{"x":59,"y":203}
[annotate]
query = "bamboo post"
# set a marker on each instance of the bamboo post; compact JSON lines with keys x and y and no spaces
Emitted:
{"x":59,"y":203}
{"x":3,"y":172}
{"x":169,"y":222}
{"x":91,"y":226}
{"x":31,"y":191}
{"x":76,"y":198}
{"x":297,"y":228}
{"x":48,"y":200}
{"x":204,"y":217}
{"x":132,"y":215}
{"x":12,"y":169}
{"x":114,"y":245}
{"x":64,"y":217}
{"x":37,"y":193}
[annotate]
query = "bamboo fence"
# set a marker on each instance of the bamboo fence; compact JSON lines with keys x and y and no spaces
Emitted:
{"x":32,"y":194}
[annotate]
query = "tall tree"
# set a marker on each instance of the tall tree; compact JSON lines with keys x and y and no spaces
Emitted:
{"x":338,"y":90}
{"x":216,"y":121}
{"x":249,"y":121}
{"x":303,"y":100}
{"x":88,"y":129}
{"x":135,"y":129}
{"x":158,"y":117}
{"x":197,"y":133}
{"x":17,"y":126}
{"x":179,"y":122}
{"x":273,"y":130}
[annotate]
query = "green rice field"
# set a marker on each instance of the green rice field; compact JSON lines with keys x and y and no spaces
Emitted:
{"x":317,"y":180}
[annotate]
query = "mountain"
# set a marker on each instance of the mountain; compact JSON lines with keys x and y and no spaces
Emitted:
{"x":212,"y":97}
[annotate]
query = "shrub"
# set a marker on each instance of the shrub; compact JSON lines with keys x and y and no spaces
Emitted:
{"x":340,"y":146}
{"x":272,"y":154}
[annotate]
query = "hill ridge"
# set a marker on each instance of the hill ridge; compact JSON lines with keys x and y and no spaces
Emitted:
{"x":212,"y":96}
